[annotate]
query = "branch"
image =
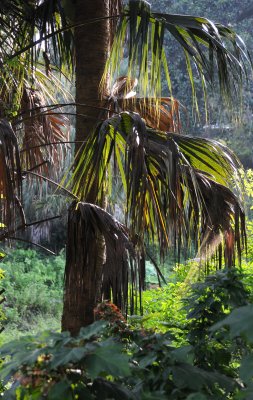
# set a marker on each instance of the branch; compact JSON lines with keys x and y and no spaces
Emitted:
{"x":51,"y":144}
{"x":59,"y":113}
{"x":66,"y":28}
{"x":34,"y":244}
{"x":43,"y":220}
{"x":59,"y":105}
{"x":51,"y":181}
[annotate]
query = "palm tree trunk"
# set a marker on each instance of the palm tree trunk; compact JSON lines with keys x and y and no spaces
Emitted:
{"x":92,"y":47}
{"x":82,"y":273}
{"x":83,"y":276}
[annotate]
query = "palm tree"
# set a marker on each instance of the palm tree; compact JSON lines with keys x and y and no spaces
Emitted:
{"x":177,"y":189}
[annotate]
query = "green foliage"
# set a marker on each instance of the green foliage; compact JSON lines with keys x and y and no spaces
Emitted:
{"x":163,"y":310}
{"x":107,"y":363}
{"x":33,"y":288}
{"x":94,"y":366}
{"x":209,"y":302}
{"x":238,"y":326}
{"x":220,"y":125}
{"x":2,"y":298}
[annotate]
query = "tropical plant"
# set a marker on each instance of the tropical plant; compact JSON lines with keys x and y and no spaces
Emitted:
{"x":53,"y":365}
{"x":172,"y":184}
{"x":145,"y":39}
{"x":110,"y":360}
{"x":26,"y":309}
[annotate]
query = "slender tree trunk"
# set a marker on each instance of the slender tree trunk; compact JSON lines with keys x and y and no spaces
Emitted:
{"x":92,"y":49}
{"x":82,"y":275}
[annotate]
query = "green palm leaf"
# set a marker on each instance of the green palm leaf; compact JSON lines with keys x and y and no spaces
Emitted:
{"x":177,"y":188}
{"x":214,"y":50}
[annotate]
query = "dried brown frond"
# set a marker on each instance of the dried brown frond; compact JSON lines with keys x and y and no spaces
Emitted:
{"x":11,"y":212}
{"x":42,"y":127}
{"x":162,"y":113}
{"x":86,"y":224}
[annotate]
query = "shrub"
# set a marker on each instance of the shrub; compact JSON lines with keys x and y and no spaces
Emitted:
{"x":33,"y":288}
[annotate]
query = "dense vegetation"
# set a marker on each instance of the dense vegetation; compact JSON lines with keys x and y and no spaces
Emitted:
{"x":205,"y":352}
{"x":33,"y":286}
{"x":191,"y":334}
{"x":194,"y":341}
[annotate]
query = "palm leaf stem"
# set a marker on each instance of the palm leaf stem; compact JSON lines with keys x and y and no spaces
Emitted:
{"x":51,"y":144}
{"x":32,"y":243}
{"x":59,"y":186}
{"x":58,"y":31}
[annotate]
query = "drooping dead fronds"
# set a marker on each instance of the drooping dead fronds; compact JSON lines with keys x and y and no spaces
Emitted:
{"x":40,"y":127}
{"x":86,"y":224}
{"x":161,"y":113}
{"x":11,"y":211}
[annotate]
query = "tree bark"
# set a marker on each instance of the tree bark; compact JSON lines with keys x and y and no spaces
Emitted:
{"x":92,"y":49}
{"x":82,"y":275}
{"x":82,"y":272}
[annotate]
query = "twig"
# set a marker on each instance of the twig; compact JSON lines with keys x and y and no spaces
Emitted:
{"x":53,"y":182}
{"x":41,"y":221}
{"x":38,"y":165}
{"x":51,"y":144}
{"x":34,"y":244}
{"x":64,"y":29}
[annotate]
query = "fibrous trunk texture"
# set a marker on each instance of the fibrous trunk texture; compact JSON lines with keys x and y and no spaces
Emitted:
{"x":92,"y":47}
{"x":82,"y":275}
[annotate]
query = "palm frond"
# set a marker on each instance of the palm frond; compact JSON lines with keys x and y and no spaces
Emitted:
{"x":49,"y":17}
{"x":11,"y":212}
{"x":223,"y":219}
{"x":213,"y":50}
{"x":42,"y":127}
{"x":22,"y":22}
{"x":167,"y":180}
{"x":86,"y":224}
{"x":160,"y":113}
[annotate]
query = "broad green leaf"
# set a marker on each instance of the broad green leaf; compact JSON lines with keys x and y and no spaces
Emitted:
{"x":154,"y":395}
{"x":246,"y":369}
{"x":106,"y":389}
{"x":107,"y":358}
{"x":61,"y":390}
{"x":149,"y":359}
{"x":188,"y":376}
{"x":92,"y":330}
{"x":240,"y":322}
{"x":183,"y":354}
{"x":67,"y":356}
